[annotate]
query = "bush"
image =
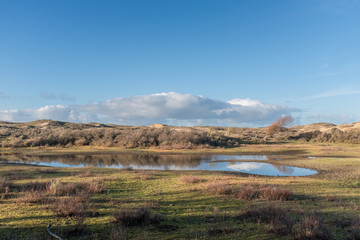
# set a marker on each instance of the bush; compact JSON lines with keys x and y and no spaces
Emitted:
{"x":312,"y":227}
{"x":189,"y":179}
{"x":276,"y":193}
{"x":220,"y":188}
{"x":135,"y":217}
{"x":277,"y":217}
{"x":72,"y":206}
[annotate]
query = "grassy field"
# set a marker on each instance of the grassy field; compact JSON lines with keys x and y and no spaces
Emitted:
{"x":97,"y":203}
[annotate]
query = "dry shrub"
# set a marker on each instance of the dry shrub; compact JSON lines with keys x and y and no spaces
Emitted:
{"x":94,"y":187}
{"x":62,"y":189}
{"x":247,"y":192}
{"x":118,"y":233}
{"x":278,"y":217}
{"x":332,"y":198}
{"x":72,"y":206}
{"x":218,"y":229}
{"x":189,"y":179}
{"x":4,"y":185}
{"x":142,"y":175}
{"x":36,"y":186}
{"x":312,"y":227}
{"x":84,"y":174}
{"x":276,"y":193}
{"x":220,"y":188}
{"x":135,"y":217}
{"x":32,"y":197}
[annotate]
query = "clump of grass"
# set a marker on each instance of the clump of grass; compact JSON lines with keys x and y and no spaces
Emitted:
{"x":62,"y":189}
{"x":4,"y":184}
{"x":94,"y":187}
{"x":220,"y":188}
{"x":135,"y":217}
{"x":36,"y":186}
{"x":32,"y":197}
{"x":332,"y":198}
{"x":279,"y":219}
{"x":72,"y":206}
{"x":189,"y":179}
{"x":312,"y":227}
{"x":219,"y":229}
{"x":247,"y":192}
{"x":142,"y":175}
{"x":276,"y":193}
{"x":118,"y":233}
{"x":4,"y":187}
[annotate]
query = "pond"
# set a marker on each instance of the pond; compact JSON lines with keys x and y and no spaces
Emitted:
{"x":252,"y":164}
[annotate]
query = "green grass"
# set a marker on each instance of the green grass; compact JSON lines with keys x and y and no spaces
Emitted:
{"x":186,"y":209}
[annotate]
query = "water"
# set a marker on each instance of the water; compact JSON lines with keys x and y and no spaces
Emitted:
{"x":252,"y":164}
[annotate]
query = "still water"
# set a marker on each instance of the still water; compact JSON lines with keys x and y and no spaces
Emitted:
{"x":253,"y":164}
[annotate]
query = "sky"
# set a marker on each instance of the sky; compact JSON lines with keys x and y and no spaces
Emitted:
{"x":180,"y":62}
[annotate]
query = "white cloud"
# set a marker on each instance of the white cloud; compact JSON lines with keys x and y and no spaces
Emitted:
{"x":171,"y":108}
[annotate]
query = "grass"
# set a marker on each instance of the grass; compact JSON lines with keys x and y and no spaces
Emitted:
{"x":99,"y":203}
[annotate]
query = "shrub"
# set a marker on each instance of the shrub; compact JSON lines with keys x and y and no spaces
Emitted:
{"x":72,"y":206}
{"x":220,"y":188}
{"x":61,"y":189}
{"x":4,"y":185}
{"x":94,"y":187}
{"x":279,"y":219}
{"x":247,"y":192}
{"x":276,"y":193}
{"x":312,"y":227}
{"x":189,"y":179}
{"x":36,"y":186}
{"x":135,"y":217}
{"x":32,"y":197}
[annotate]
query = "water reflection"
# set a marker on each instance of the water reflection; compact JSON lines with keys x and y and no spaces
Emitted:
{"x":164,"y":162}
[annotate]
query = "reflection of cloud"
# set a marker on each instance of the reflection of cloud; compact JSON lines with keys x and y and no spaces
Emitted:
{"x":162,"y":107}
{"x":284,"y":169}
{"x":246,"y":166}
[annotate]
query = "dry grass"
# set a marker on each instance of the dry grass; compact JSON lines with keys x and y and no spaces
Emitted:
{"x":32,"y":197}
{"x":312,"y":227}
{"x":95,"y":186}
{"x":220,"y":188}
{"x":72,"y":206}
{"x":279,"y":219}
{"x":250,"y":191}
{"x":276,"y":193}
{"x":135,"y":217}
{"x":190,"y":179}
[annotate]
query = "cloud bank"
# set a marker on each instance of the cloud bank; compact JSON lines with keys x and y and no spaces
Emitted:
{"x":169,"y":108}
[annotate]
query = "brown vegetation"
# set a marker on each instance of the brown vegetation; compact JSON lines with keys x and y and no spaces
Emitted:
{"x":61,"y":134}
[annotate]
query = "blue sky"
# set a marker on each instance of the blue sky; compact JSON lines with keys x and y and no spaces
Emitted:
{"x":230,"y":63}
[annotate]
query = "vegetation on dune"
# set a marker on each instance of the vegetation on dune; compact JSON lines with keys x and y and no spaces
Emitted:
{"x":63,"y":134}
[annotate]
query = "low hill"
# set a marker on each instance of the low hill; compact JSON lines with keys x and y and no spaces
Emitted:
{"x":61,"y":134}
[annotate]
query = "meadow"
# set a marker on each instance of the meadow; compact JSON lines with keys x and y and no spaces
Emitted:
{"x":99,"y":203}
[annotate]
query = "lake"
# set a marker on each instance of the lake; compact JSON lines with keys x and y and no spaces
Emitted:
{"x":252,"y":164}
